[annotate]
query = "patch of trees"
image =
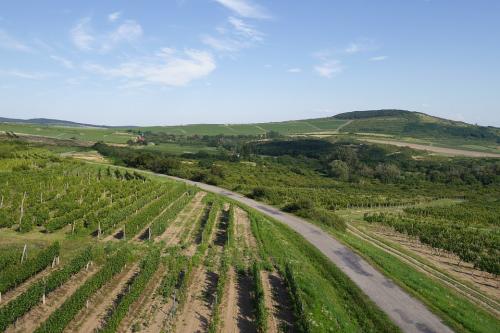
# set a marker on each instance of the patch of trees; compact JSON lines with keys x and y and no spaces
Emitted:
{"x":376,"y":114}
{"x":352,"y":161}
{"x":440,"y":130}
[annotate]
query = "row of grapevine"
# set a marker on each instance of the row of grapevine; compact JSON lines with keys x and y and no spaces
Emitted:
{"x":259,"y":300}
{"x":60,"y":318}
{"x":69,"y":192}
{"x":219,"y":293}
{"x":148,"y":267}
{"x":8,"y":257}
{"x":330,"y":198}
{"x":114,"y":217}
{"x":160,"y":224}
{"x":145,"y":216}
{"x":176,"y":265}
{"x":98,"y":204}
{"x":297,"y":298}
{"x":479,"y":246}
{"x":13,"y":275}
{"x":31,"y":297}
{"x":223,"y":273}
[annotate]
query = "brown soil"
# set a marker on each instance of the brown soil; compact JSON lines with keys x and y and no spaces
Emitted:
{"x":159,"y":316}
{"x":173,"y":232}
{"x":229,"y":311}
{"x":447,"y":262}
{"x":38,"y":314}
{"x":138,"y":236}
{"x":236,"y":312}
{"x":118,"y":233}
{"x":243,"y":228}
{"x":278,"y":304}
{"x":246,"y":244}
{"x":163,"y":313}
{"x":90,"y":319}
{"x":197,"y":311}
{"x":88,"y":156}
{"x":11,"y":294}
{"x":139,"y":312}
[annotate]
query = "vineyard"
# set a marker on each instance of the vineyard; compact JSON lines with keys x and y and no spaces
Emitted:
{"x":87,"y":248}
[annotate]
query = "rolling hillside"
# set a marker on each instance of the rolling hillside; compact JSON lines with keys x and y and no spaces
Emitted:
{"x":390,"y":124}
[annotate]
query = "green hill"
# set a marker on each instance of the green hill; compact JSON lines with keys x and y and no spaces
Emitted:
{"x":414,"y":124}
{"x":402,"y":125}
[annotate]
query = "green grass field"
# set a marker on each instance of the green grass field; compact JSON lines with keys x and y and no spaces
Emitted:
{"x":78,"y":133}
{"x":285,"y":127}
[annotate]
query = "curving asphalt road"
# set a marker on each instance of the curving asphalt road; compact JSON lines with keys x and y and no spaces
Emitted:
{"x":407,"y":312}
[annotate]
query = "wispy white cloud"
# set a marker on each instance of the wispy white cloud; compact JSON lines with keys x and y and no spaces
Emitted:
{"x":294,"y":70}
{"x":114,"y":16}
{"x":379,"y":58}
{"x":329,"y":68}
{"x":245,"y":30}
{"x":85,"y":39}
{"x":361,"y":45}
{"x":24,"y":74}
{"x":81,"y":34}
{"x":221,"y":44}
{"x":234,"y":36}
{"x":128,"y":31}
{"x":168,"y":68}
{"x":11,"y":43}
{"x":245,"y":8}
{"x":63,"y":61}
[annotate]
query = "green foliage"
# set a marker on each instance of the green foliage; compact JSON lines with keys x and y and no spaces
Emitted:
{"x":259,"y":300}
{"x":13,"y":275}
{"x":149,"y":265}
{"x":60,"y":318}
{"x":470,"y":243}
{"x":456,"y":310}
{"x":326,"y":300}
{"x":28,"y":299}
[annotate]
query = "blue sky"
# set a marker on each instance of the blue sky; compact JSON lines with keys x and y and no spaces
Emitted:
{"x":231,"y":61}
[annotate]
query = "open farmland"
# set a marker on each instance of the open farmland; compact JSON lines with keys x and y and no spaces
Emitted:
{"x":93,"y":248}
{"x":69,"y":133}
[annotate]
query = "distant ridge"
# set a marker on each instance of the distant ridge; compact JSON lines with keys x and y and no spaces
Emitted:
{"x":377,"y":113}
{"x":47,"y":121}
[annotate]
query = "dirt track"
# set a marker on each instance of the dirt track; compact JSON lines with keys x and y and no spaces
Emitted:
{"x":433,"y":149}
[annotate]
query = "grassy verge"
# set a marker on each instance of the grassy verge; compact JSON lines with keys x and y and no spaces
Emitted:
{"x":329,"y":300}
{"x":454,"y":309}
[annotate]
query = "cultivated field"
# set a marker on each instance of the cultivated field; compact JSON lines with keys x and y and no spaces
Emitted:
{"x":89,"y":248}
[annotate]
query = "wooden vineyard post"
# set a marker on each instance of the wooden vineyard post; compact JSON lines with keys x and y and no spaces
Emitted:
{"x":149,"y":233}
{"x":1,"y":202}
{"x":124,"y":237}
{"x":22,"y":208}
{"x":25,"y":254}
{"x":0,"y":297}
{"x":44,"y":287}
{"x":99,"y":230}
{"x":73,"y":227}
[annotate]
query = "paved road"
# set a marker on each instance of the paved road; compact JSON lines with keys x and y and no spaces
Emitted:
{"x":407,"y":312}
